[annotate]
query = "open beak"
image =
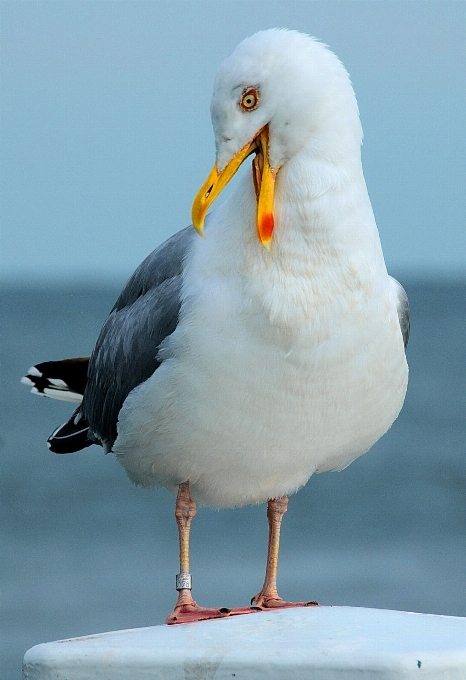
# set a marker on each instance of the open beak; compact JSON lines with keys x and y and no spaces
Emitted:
{"x":264,"y":182}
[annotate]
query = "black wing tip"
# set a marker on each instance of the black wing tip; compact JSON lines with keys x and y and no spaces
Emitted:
{"x":65,"y":379}
{"x":71,"y":436}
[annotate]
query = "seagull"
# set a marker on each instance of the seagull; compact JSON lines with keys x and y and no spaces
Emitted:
{"x":235,"y":366}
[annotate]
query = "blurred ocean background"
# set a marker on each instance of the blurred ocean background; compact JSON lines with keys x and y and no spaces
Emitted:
{"x":105,"y":140}
{"x":84,"y":551}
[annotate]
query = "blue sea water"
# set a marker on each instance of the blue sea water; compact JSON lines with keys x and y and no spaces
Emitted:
{"x":84,"y":551}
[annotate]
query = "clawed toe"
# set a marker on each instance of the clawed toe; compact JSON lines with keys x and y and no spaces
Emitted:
{"x":263,"y":601}
{"x":188,"y":613}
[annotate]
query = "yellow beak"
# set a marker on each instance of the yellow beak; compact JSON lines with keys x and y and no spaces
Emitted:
{"x":264,"y":180}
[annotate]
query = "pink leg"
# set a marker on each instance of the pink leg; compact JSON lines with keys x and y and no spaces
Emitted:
{"x":186,"y":610}
{"x":268,"y":597}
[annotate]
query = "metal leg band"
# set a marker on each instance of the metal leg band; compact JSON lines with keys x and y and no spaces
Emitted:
{"x":183,"y":581}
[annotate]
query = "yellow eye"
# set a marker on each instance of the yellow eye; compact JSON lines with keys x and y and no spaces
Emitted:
{"x":250,"y":99}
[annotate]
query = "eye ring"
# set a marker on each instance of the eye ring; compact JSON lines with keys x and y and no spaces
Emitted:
{"x":249,"y":99}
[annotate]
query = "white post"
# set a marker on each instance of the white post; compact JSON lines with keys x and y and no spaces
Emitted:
{"x":319,"y":643}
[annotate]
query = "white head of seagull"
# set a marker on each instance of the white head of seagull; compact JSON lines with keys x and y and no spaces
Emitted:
{"x":279,"y":92}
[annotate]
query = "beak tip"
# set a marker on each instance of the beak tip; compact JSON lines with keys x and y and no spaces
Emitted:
{"x":200,"y":230}
{"x":265,"y":226}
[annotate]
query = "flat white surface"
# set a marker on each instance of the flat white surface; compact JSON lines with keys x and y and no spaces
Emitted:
{"x":319,"y":643}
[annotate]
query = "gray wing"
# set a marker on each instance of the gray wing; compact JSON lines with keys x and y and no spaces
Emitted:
{"x":403,"y":310}
{"x":125,"y":354}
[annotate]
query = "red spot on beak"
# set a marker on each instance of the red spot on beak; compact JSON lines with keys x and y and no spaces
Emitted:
{"x":266,"y":228}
